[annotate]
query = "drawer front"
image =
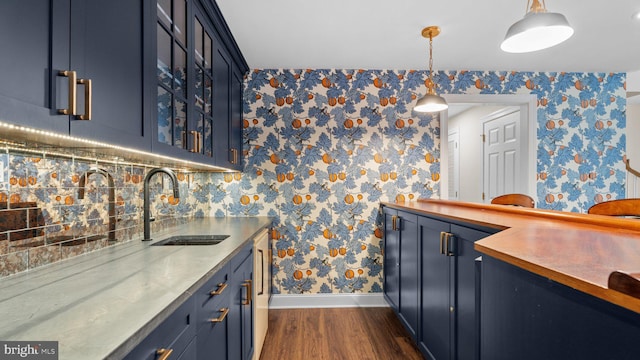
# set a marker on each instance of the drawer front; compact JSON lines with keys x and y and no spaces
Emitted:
{"x":173,"y":334}
{"x":213,"y":296}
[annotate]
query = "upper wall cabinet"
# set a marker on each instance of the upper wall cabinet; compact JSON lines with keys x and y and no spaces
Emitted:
{"x":75,"y":67}
{"x":197,"y":66}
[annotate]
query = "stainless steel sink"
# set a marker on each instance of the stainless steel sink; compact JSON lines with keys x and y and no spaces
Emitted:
{"x":192,"y":240}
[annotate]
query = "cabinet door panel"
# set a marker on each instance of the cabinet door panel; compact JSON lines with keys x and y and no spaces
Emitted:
{"x":247,"y":312}
{"x":529,"y":317}
{"x":32,"y":34}
{"x":212,"y":340}
{"x":236,"y":120}
{"x":222,"y":70}
{"x":436,"y":338}
{"x":409,"y":272}
{"x":106,"y":47}
{"x":240,"y":343}
{"x":467,"y":307}
{"x":391,"y":259}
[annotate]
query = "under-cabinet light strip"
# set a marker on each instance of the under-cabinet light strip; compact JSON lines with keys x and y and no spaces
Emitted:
{"x":24,"y":129}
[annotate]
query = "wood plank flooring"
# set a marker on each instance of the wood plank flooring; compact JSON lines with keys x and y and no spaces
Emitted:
{"x":337,"y":334}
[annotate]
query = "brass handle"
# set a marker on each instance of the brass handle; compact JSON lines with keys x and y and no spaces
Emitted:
{"x":234,"y":156}
{"x":88,"y":96}
{"x":164,"y":353}
{"x":72,"y":92}
{"x":442,"y":235}
{"x":219,"y":290}
{"x":447,"y":238}
{"x":194,"y":148}
{"x":247,"y":285}
{"x":398,"y":224}
{"x":262,"y":270}
{"x":393,"y":223}
{"x":221,"y":318}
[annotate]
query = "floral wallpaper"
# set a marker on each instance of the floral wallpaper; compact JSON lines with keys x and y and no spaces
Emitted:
{"x":324,"y":147}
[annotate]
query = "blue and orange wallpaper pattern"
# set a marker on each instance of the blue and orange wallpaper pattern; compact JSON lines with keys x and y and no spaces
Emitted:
{"x":324,"y":147}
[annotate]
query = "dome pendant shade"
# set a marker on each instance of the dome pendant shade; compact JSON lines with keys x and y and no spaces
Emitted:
{"x":536,"y":31}
{"x":431,"y":103}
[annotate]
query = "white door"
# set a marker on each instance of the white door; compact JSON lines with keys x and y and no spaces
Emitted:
{"x":502,"y":150}
{"x":454,"y":164}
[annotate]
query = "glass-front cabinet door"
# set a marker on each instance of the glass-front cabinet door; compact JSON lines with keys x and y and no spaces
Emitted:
{"x":203,"y":95}
{"x":195,"y":57}
{"x":172,"y":72}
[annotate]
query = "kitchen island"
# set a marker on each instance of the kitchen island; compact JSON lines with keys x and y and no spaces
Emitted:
{"x":541,"y":280}
{"x":103,"y":304}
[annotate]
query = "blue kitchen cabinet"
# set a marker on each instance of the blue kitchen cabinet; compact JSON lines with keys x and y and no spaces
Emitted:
{"x":432,"y":280}
{"x":222,"y":94}
{"x":215,"y":323}
{"x":402,"y":252}
{"x":408,"y":311}
{"x":240,"y":343}
{"x":450,"y":288}
{"x":193,"y":58}
{"x":526,"y":316}
{"x":436,"y":320}
{"x":83,"y":52}
{"x":391,"y":258}
{"x":236,"y":120}
{"x":213,"y":301}
{"x":174,"y":334}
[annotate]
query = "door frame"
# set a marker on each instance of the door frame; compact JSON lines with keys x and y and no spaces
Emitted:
{"x":528,"y":105}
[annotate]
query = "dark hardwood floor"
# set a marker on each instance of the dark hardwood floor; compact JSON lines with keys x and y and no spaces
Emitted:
{"x":337,"y":334}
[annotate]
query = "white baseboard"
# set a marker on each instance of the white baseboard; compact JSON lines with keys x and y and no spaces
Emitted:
{"x":293,"y":301}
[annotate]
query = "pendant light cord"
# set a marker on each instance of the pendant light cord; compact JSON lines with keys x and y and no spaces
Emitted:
{"x":431,"y":84}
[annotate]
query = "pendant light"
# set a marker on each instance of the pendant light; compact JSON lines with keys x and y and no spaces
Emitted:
{"x":431,"y":102}
{"x":538,"y":30}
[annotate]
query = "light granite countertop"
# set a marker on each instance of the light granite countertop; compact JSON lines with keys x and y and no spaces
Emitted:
{"x":101,"y":305}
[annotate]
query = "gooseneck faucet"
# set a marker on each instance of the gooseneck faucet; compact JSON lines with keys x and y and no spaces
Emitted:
{"x":147,"y":211}
{"x":112,"y":196}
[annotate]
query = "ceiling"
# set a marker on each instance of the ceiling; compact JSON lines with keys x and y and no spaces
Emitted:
{"x":383,"y":34}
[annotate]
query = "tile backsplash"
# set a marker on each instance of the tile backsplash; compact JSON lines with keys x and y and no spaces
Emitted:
{"x":43,"y":218}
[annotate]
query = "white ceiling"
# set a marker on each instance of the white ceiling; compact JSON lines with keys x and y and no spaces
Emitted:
{"x":383,"y":34}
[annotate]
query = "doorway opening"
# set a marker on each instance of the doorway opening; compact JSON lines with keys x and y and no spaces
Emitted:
{"x":465,"y":173}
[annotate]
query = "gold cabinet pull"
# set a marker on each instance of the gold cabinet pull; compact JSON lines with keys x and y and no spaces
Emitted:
{"x":247,"y":285}
{"x":442,"y":235}
{"x":219,"y":290}
{"x":71,"y":110}
{"x":88,"y":97}
{"x":222,"y":316}
{"x":194,"y":148}
{"x":393,"y":223}
{"x":261,"y":267}
{"x":234,"y":156}
{"x":164,"y":353}
{"x":448,"y":237}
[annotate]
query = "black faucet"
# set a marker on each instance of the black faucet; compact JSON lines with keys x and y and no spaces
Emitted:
{"x":112,"y":196}
{"x":147,"y":212}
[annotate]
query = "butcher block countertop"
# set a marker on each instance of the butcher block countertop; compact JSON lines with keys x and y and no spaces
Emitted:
{"x":577,"y":250}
